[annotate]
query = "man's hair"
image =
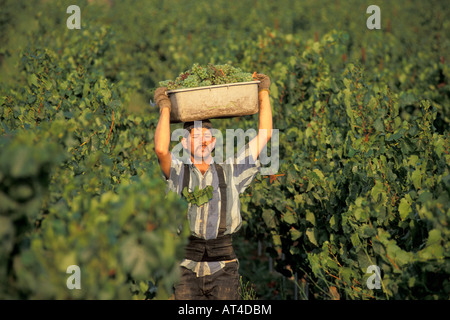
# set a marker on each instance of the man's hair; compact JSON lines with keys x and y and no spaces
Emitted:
{"x":190,"y":125}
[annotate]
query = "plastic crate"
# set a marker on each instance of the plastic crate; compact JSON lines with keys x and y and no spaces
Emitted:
{"x":211,"y":102}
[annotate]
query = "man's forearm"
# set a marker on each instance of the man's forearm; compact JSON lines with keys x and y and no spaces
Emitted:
{"x":162,"y":133}
{"x":265,"y":125}
{"x":265,"y":114}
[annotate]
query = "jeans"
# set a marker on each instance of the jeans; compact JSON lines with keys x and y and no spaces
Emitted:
{"x":222,"y":285}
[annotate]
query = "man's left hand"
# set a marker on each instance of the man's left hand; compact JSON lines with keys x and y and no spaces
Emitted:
{"x":264,"y":81}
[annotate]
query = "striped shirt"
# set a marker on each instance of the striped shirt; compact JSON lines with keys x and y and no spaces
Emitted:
{"x":204,"y":221}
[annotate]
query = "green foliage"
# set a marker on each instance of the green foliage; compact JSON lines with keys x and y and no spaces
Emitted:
{"x":247,"y":291}
{"x":200,"y":76}
{"x":199,"y":196}
{"x":80,"y":184}
{"x":354,"y":193}
{"x":363,"y":119}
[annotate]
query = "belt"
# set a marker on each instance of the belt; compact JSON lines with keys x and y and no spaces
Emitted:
{"x":219,"y":249}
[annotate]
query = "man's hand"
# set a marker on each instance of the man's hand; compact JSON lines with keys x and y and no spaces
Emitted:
{"x":265,"y":81}
{"x":161,"y":98}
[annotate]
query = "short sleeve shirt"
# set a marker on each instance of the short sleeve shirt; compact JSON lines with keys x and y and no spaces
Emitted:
{"x":239,"y":172}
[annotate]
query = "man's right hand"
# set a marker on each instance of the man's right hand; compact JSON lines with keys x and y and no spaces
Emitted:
{"x":161,"y":98}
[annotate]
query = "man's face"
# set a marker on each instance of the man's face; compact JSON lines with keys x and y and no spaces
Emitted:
{"x":200,"y":143}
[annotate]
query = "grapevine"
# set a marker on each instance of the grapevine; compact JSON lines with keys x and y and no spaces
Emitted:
{"x":363,"y":120}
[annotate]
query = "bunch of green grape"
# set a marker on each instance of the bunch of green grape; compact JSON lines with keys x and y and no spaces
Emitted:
{"x":199,"y":196}
{"x":207,"y":75}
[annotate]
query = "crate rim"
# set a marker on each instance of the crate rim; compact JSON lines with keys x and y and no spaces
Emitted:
{"x":213,"y":86}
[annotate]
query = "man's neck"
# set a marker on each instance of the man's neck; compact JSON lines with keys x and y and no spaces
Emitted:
{"x":201,"y":164}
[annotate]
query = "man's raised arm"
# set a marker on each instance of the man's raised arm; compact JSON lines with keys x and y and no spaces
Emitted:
{"x":265,"y":117}
{"x":162,"y":133}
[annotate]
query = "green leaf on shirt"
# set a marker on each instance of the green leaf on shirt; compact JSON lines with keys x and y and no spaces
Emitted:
{"x":199,"y":196}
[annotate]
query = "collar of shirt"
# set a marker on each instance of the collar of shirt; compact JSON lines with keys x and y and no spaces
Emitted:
{"x":189,"y":161}
{"x":191,"y":164}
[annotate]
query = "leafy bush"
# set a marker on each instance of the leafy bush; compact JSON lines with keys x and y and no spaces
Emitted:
{"x":364,"y":187}
{"x":363,"y":119}
{"x":78,"y":185}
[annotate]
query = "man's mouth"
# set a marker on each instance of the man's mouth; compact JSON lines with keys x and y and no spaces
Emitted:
{"x":201,"y":149}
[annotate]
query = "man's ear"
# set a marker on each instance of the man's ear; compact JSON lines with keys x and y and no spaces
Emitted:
{"x":184,"y":143}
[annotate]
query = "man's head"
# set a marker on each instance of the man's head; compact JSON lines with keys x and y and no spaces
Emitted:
{"x":199,"y":140}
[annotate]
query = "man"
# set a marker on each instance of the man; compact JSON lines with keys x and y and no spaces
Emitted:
{"x":210,"y":268}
